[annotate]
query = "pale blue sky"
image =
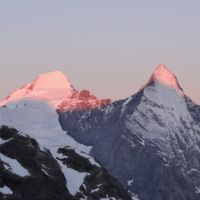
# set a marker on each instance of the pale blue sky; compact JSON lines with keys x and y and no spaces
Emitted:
{"x":108,"y":46}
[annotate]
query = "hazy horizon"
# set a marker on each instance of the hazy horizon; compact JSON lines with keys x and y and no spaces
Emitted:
{"x":108,"y":47}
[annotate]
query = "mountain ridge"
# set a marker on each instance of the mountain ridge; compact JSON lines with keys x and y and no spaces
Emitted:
{"x":55,"y":89}
{"x":57,"y":80}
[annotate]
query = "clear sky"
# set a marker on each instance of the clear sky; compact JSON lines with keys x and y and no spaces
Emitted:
{"x":108,"y":46}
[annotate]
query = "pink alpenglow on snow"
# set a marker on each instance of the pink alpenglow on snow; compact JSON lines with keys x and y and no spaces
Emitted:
{"x":50,"y":87}
{"x":56,"y":90}
{"x":52,"y":80}
{"x":166,"y":77}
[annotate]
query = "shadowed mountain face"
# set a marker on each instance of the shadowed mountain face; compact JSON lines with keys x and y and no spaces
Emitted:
{"x":150,"y":142}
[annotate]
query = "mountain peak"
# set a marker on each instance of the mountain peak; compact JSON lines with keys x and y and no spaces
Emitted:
{"x":52,"y":87}
{"x":54,"y":79}
{"x":164,"y":76}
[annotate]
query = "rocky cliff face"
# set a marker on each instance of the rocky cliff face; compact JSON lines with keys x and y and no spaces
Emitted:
{"x":83,"y":100}
{"x":150,"y":142}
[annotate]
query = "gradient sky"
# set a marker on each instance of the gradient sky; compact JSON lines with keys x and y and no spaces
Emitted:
{"x":108,"y":46}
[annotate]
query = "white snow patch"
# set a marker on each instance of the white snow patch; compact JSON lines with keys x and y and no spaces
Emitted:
{"x":73,"y":178}
{"x":108,"y":109}
{"x":130,"y":182}
{"x":93,"y":162}
{"x":44,"y":169}
{"x":95,"y":190}
{"x":124,"y":105}
{"x":4,"y":141}
{"x":108,"y":198}
{"x":134,"y":197}
{"x":142,"y":143}
{"x":197,"y":190}
{"x":6,"y":190}
{"x":14,"y":166}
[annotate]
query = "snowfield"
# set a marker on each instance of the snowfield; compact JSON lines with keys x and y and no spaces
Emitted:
{"x":39,"y":121}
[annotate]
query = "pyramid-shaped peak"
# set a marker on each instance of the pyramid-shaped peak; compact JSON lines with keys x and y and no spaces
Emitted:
{"x":54,"y":79}
{"x":163,"y":73}
{"x":165,"y":76}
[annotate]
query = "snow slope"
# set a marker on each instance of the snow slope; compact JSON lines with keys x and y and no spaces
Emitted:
{"x":39,"y":121}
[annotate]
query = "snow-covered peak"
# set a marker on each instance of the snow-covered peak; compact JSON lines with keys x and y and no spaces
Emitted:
{"x":163,"y":90}
{"x":51,"y":88}
{"x":164,"y":76}
{"x":51,"y":80}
